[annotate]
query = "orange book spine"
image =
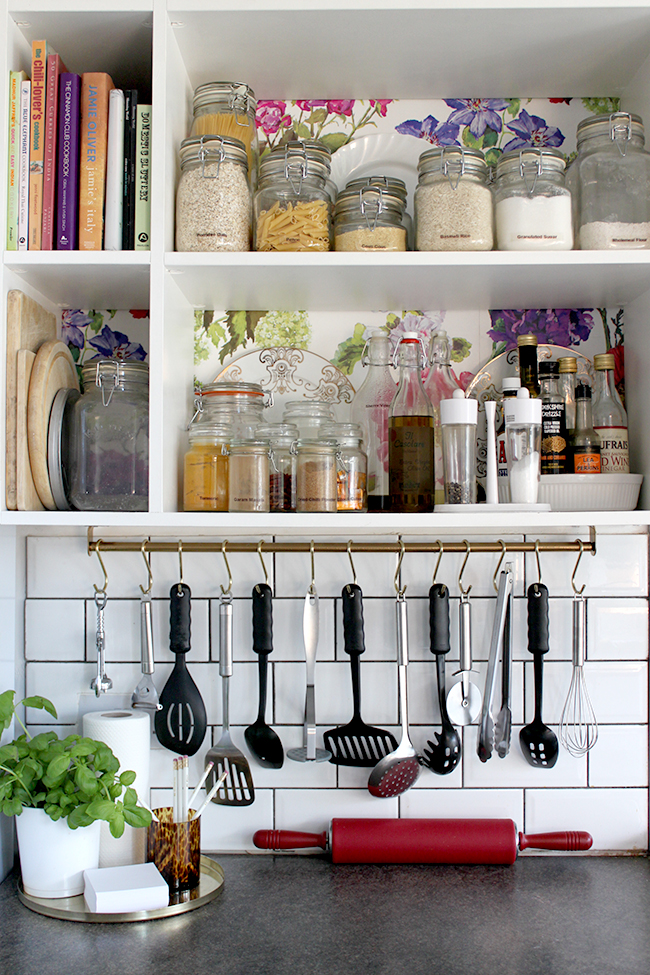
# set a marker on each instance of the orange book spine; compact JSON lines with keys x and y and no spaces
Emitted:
{"x":37,"y":143}
{"x":95,"y":88}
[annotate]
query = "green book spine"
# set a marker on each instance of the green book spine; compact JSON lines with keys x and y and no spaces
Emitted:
{"x":143,"y":179}
{"x":15,"y":77}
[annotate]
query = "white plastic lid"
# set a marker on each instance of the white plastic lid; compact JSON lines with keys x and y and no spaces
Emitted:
{"x":510,"y":382}
{"x":522,"y":409}
{"x":458,"y":409}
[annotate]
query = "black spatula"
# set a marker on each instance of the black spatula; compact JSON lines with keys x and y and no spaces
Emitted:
{"x":181,"y":722}
{"x":357,"y":744}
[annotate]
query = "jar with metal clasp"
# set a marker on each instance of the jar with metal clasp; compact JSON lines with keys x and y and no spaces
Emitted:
{"x":205,"y":467}
{"x":532,"y":204}
{"x":369,"y":218}
{"x":282,"y":472}
{"x":292,"y":207}
{"x":453,"y":201}
{"x":308,"y":415}
{"x":397,"y":188}
{"x":352,"y":468}
{"x":228,"y":108}
{"x":109,"y":438}
{"x":316,"y":484}
{"x":241,"y":405}
{"x":248,"y":475}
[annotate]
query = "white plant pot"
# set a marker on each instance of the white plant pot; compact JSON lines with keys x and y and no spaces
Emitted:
{"x":53,"y":857}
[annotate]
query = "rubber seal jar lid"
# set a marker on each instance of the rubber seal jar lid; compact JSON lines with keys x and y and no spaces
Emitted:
{"x":460,"y":409}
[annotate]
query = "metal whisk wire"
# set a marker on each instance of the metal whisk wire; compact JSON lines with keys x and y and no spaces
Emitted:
{"x":578,"y":725}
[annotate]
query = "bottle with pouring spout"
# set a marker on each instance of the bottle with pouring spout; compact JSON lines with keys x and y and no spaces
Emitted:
{"x":439,"y":384}
{"x":410,"y":427}
{"x":370,"y":409}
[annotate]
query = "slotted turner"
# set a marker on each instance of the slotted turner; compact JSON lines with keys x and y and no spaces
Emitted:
{"x":357,"y":744}
{"x":237,"y":788}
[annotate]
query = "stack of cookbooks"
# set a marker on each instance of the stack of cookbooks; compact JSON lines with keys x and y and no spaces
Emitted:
{"x":79,"y":160}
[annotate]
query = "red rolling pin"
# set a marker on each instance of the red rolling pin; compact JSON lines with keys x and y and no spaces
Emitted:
{"x":422,"y":840}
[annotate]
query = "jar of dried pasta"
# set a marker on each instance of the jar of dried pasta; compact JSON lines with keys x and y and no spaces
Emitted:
{"x":316,"y":488}
{"x":205,"y":468}
{"x":369,"y":218}
{"x":453,"y":202}
{"x":248,"y":475}
{"x":227,"y":108}
{"x":292,"y":207}
{"x":213,"y":199}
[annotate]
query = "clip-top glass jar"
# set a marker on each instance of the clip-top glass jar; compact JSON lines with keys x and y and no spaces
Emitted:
{"x":352,"y":469}
{"x":109,"y":438}
{"x":248,"y":475}
{"x":227,"y":108}
{"x":213,"y":200}
{"x":610,"y":182}
{"x":453,"y":202}
{"x":308,"y":415}
{"x":316,"y":486}
{"x":532,"y":204}
{"x":369,"y":219}
{"x":292,"y":206}
{"x":282,"y":472}
{"x":240,"y":404}
{"x":205,"y":467}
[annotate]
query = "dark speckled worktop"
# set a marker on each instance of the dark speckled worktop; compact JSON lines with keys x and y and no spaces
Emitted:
{"x":553,"y":915}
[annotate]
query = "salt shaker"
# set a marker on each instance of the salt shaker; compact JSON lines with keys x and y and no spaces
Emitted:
{"x":523,"y":417}
{"x":458,"y":417}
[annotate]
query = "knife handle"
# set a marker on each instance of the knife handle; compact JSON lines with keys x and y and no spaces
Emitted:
{"x":537,"y":618}
{"x":179,"y":618}
{"x":439,"y":619}
{"x":571,"y":840}
{"x":353,"y":620}
{"x":262,"y":618}
{"x":287,"y":839}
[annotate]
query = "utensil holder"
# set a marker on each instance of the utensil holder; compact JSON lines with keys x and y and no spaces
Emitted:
{"x":175,"y":848}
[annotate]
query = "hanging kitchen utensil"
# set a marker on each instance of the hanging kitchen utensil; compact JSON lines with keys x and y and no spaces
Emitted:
{"x":486,"y":739}
{"x":464,"y":698}
{"x":356,"y":744}
{"x":262,"y":740}
{"x":101,"y":683}
{"x":538,"y":743}
{"x":444,"y":756}
{"x":181,"y":722}
{"x":503,"y":722}
{"x":237,"y":789}
{"x":578,"y":725}
{"x":397,"y":772}
{"x":145,"y":694}
{"x":422,"y":840}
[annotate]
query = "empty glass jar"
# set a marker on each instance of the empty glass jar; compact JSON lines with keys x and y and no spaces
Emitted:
{"x":240,"y":404}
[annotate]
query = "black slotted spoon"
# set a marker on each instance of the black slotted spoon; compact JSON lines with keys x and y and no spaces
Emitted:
{"x":356,"y":744}
{"x":538,"y":742}
{"x":444,"y":756}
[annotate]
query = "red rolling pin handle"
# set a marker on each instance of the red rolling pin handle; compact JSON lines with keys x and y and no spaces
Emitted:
{"x":572,"y":840}
{"x":286,"y":839}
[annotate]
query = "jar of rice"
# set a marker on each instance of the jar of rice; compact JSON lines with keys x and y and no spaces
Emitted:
{"x":453,"y":202}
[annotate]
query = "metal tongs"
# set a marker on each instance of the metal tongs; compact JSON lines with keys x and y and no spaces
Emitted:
{"x":487,"y":738}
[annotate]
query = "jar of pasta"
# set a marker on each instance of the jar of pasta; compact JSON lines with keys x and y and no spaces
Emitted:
{"x":205,"y":468}
{"x":352,"y":466}
{"x":369,"y":218}
{"x":453,"y":202}
{"x":239,"y":404}
{"x":316,"y":475}
{"x":248,"y":475}
{"x":227,"y":108}
{"x":292,"y":207}
{"x":282,"y":473}
{"x":213,"y":199}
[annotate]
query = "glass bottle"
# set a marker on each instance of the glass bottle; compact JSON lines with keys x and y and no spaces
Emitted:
{"x":370,"y":408}
{"x":610,"y":418}
{"x":316,"y":486}
{"x":554,"y":435}
{"x":352,"y":468}
{"x":248,"y":475}
{"x":458,"y":417}
{"x":410,"y":427}
{"x":282,"y":473}
{"x":509,"y":387}
{"x":439,"y":384}
{"x":585,"y":442}
{"x":568,"y":369}
{"x":205,"y":468}
{"x":527,"y":348}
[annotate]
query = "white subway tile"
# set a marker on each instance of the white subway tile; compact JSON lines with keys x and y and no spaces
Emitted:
{"x":617,"y":629}
{"x":205,"y":572}
{"x":618,"y":691}
{"x":65,"y":684}
{"x":61,"y":567}
{"x":619,"y":568}
{"x":620,"y":756}
{"x":514,"y":772}
{"x":290,"y":689}
{"x":464,"y":804}
{"x":616,"y":818}
{"x":54,"y":629}
{"x":312,"y":810}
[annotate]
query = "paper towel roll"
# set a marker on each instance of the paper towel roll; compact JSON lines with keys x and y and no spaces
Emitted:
{"x":128,"y":735}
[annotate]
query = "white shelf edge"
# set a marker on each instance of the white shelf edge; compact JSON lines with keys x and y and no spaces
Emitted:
{"x":15,"y":259}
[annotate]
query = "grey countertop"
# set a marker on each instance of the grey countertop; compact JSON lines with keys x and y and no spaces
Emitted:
{"x":302,"y":915}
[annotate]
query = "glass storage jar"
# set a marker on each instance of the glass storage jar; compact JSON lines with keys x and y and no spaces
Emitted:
{"x":248,"y":475}
{"x":213,"y":199}
{"x":453,"y":202}
{"x":109,"y":438}
{"x":308,"y":415}
{"x":396,"y":187}
{"x":292,"y":207}
{"x":240,"y":404}
{"x":610,"y":182}
{"x":531,"y":202}
{"x":316,"y":486}
{"x":352,"y":465}
{"x":369,"y":219}
{"x":205,"y":468}
{"x":227,"y":108}
{"x":282,"y":473}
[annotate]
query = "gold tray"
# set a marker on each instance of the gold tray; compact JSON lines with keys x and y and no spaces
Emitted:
{"x":76,"y":909}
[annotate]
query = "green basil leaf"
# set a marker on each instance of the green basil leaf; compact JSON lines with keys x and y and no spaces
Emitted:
{"x":41,"y":703}
{"x":136,"y":816}
{"x":6,"y":709}
{"x":128,"y":777}
{"x":117,"y":824}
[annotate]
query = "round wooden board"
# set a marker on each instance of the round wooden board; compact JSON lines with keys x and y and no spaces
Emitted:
{"x":53,"y":369}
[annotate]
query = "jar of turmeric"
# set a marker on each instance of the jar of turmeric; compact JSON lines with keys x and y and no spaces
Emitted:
{"x":205,"y":468}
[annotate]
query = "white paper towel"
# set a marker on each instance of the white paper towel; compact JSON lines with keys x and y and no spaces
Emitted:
{"x":128,"y":735}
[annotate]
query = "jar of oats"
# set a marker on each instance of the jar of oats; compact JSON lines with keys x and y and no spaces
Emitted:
{"x":369,"y":218}
{"x":453,"y":202}
{"x":293,"y":204}
{"x":213,"y":199}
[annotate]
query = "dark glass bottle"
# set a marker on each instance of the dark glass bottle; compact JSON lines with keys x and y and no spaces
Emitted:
{"x":410,"y":429}
{"x":554,"y":432}
{"x":527,"y":348}
{"x":585,"y":442}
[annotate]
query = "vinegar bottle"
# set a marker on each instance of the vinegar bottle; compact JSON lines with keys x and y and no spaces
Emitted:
{"x":610,"y":418}
{"x":410,"y":427}
{"x":370,"y":410}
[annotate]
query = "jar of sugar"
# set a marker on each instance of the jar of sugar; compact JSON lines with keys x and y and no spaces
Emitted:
{"x":453,"y":202}
{"x":610,"y":183}
{"x":532,"y":204}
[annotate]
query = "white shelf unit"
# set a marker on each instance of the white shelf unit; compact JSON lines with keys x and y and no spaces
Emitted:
{"x":313,"y":48}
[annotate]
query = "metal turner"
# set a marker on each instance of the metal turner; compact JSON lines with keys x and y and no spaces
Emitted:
{"x":145,"y":694}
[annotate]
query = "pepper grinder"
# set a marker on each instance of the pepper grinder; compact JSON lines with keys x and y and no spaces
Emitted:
{"x":458,"y":417}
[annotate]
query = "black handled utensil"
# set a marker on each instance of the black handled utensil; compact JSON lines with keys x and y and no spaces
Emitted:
{"x":356,"y":744}
{"x":444,"y":756}
{"x":262,"y":740}
{"x":538,"y":743}
{"x":181,"y":722}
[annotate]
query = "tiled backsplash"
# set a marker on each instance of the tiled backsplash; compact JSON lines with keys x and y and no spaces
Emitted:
{"x":605,"y":792}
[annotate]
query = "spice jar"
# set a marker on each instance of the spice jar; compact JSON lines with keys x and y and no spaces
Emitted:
{"x":109,"y":438}
{"x":308,"y":415}
{"x":248,"y":475}
{"x":610,"y":181}
{"x":292,"y":207}
{"x":227,"y":108}
{"x":213,"y":199}
{"x":369,"y":219}
{"x":205,"y":468}
{"x":240,"y":404}
{"x":532,"y":203}
{"x":458,"y":418}
{"x":352,"y":469}
{"x":453,"y":202}
{"x":316,"y":484}
{"x":282,"y":472}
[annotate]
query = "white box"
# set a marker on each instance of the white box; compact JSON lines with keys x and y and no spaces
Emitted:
{"x":118,"y":890}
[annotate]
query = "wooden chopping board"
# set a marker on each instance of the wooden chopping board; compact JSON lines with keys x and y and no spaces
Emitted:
{"x":27,"y":498}
{"x":53,"y":369}
{"x":28,"y":326}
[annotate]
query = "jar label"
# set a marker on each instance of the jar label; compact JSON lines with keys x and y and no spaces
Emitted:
{"x":614,"y":452}
{"x":586,"y":463}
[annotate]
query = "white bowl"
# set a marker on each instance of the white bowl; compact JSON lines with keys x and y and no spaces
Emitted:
{"x":590,"y":492}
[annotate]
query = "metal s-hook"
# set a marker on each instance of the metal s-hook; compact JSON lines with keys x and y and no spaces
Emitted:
{"x":259,"y":552}
{"x":354,"y":571}
{"x":501,"y":558}
{"x":226,"y":592}
{"x":180,"y":566}
{"x":468,"y":549}
{"x":312,"y":584}
{"x":435,"y":571}
{"x":577,"y":591}
{"x":147,"y":562}
{"x":101,"y":562}
{"x":539,"y":564}
{"x":400,"y":590}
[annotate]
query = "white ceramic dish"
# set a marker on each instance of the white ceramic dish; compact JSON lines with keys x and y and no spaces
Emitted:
{"x":382,"y":154}
{"x":590,"y":492}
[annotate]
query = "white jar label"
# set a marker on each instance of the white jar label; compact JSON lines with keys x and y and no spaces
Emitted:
{"x":614,"y":454}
